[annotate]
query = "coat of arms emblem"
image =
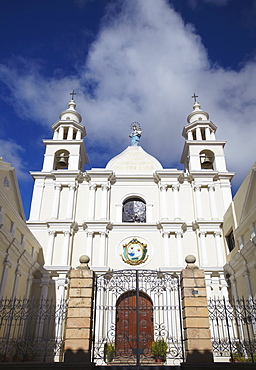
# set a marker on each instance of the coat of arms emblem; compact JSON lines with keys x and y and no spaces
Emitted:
{"x":134,"y":252}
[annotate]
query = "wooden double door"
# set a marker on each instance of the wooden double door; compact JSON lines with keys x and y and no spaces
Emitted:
{"x":134,"y":324}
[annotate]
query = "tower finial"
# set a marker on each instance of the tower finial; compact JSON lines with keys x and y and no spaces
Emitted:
{"x":72,"y":94}
{"x":194,"y":97}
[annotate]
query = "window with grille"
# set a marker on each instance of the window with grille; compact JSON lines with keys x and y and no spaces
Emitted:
{"x":134,"y":210}
{"x":230,"y":241}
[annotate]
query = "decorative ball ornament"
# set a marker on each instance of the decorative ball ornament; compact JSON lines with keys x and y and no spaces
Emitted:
{"x":84,"y":259}
{"x":190,"y":259}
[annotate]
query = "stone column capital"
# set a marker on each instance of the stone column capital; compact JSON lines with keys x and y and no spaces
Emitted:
{"x":52,"y":232}
{"x":90,"y":233}
{"x":105,"y":187}
{"x":197,"y":187}
{"x":202,"y":233}
{"x":72,"y":187}
{"x":57,"y":186}
{"x":165,"y":233}
{"x":18,"y":271}
{"x":176,"y":187}
{"x":67,"y":233}
{"x":92,"y":186}
{"x":7,"y":263}
{"x":217,"y":233}
{"x":163,"y":187}
{"x":211,"y":187}
{"x":179,"y":234}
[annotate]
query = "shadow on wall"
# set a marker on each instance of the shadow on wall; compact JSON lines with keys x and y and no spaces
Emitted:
{"x":79,"y":356}
{"x":196,"y":356}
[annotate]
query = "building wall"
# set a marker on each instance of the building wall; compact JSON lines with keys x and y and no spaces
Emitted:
{"x":20,"y":253}
{"x":240,"y":219}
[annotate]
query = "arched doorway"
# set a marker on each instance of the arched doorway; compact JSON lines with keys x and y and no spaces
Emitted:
{"x":134,"y":323}
{"x":133,"y":308}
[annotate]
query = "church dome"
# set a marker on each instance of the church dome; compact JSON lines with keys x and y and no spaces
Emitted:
{"x":197,"y":114}
{"x":134,"y":160}
{"x":71,"y":114}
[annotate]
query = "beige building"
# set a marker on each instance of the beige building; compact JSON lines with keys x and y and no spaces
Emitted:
{"x":240,"y":235}
{"x":20,"y":253}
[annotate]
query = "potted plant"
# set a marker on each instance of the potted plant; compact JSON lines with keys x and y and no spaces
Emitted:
{"x":159,"y":350}
{"x":24,"y":351}
{"x":109,"y":351}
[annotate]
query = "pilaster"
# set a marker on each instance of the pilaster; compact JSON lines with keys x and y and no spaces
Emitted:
{"x":196,"y":324}
{"x":78,"y":334}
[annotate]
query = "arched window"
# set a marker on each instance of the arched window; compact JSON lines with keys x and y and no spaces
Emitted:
{"x":134,"y":210}
{"x":61,"y":160}
{"x":207,"y":159}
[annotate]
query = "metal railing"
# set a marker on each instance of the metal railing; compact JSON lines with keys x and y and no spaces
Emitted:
{"x":32,"y":329}
{"x":233,"y":328}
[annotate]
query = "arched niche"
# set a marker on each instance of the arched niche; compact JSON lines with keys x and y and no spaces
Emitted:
{"x":61,"y":159}
{"x":207,"y":160}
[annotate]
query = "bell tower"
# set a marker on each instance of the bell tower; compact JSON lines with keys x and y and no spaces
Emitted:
{"x":66,"y":151}
{"x":64,"y":160}
{"x":202,"y":152}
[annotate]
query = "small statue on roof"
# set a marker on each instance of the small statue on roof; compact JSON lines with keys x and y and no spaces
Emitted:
{"x":135,"y":134}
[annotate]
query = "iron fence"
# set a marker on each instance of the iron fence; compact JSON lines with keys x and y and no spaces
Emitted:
{"x":32,"y":329}
{"x":133,"y":309}
{"x":233,"y":328}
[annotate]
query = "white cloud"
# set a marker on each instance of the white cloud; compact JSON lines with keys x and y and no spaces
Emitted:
{"x":12,"y":153}
{"x":144,"y":66}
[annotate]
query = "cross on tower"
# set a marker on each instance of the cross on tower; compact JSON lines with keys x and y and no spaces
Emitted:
{"x":72,"y":94}
{"x":194,"y":97}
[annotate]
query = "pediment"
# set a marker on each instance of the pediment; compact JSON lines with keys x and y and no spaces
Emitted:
{"x":134,"y":160}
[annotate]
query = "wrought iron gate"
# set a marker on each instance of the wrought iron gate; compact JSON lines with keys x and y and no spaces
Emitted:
{"x":32,"y":329}
{"x":233,"y":328}
{"x":133,"y":309}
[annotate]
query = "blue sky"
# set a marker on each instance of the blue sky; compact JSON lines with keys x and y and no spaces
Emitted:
{"x":129,"y":60}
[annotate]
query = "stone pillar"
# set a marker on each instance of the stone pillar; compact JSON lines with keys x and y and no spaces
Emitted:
{"x":7,"y":265}
{"x":78,"y":334}
{"x":89,"y":244}
{"x":178,"y":236}
{"x":219,"y":248}
{"x":176,"y":189}
{"x":49,"y":254}
{"x":36,"y":201}
{"x":213,"y":208}
{"x":71,"y":198}
{"x":91,"y":213}
{"x":203,"y":254}
{"x":199,"y":209}
{"x":198,"y":133}
{"x":104,"y":204}
{"x":166,"y":255}
{"x":65,"y":250}
{"x":207,"y":133}
{"x":248,"y":283}
{"x":163,"y":202}
{"x":102,"y":255}
{"x":18,"y":274}
{"x":196,"y":324}
{"x":56,"y":201}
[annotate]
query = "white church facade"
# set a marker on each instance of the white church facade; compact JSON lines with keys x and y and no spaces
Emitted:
{"x":133,"y":214}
